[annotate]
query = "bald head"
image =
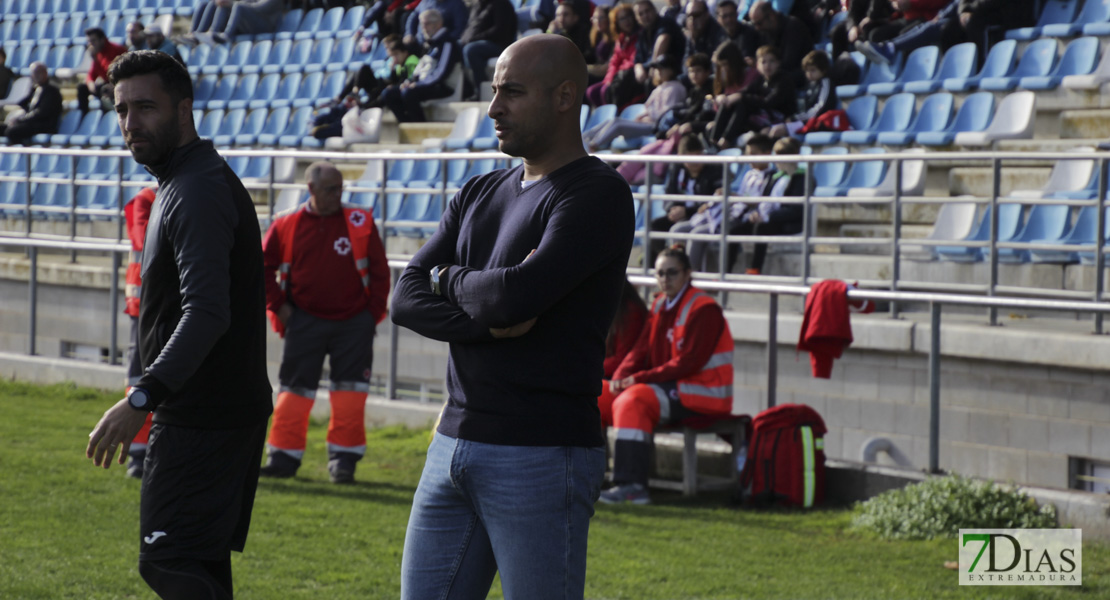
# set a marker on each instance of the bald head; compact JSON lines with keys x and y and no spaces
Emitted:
{"x":552,"y":59}
{"x":325,"y":186}
{"x":39,"y":73}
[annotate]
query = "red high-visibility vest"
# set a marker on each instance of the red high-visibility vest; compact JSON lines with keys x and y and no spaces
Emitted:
{"x":136,"y":212}
{"x":708,"y":391}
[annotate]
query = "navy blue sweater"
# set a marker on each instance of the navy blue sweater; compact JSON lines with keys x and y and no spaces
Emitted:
{"x":539,"y":389}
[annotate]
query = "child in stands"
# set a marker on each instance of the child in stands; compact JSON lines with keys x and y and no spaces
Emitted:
{"x":820,"y":95}
{"x":772,"y":217}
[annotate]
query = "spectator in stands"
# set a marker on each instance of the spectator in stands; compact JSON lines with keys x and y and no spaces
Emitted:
{"x":571,"y":25}
{"x":820,"y":95}
{"x":452,"y":14}
{"x":601,"y":43}
{"x":491,"y":28}
{"x":862,"y":17}
{"x":691,"y":178}
{"x":390,"y":15}
{"x":766,"y":101}
{"x":658,"y":37}
{"x":710,"y":215}
{"x":681,"y":367}
{"x":96,"y":83}
{"x":674,"y":12}
{"x":42,"y":109}
{"x":977,"y":16}
{"x":429,"y":80}
{"x":697,"y":110}
{"x":731,"y":76}
{"x":402,"y":64}
{"x":667,"y":95}
{"x":788,"y":34}
{"x":136,"y":36}
{"x":928,"y":33}
{"x":327,"y":121}
{"x":907,"y":14}
{"x":7,"y":76}
{"x":155,"y":40}
{"x":703,"y":34}
{"x":225,"y":19}
{"x":772,"y":217}
{"x":626,"y":32}
{"x":538,"y":14}
{"x":739,"y":32}
{"x":625,"y":331}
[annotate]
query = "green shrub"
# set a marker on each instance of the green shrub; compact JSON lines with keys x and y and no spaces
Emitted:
{"x":941,"y":506}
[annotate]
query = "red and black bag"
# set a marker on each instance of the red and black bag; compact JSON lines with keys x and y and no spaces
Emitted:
{"x":786,"y":458}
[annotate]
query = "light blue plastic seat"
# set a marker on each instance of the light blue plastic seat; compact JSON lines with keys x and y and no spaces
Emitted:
{"x":225,"y":88}
{"x":236,"y":58}
{"x":294,"y":133}
{"x":1048,"y":224}
{"x":198,"y":57}
{"x":89,"y":126}
{"x":920,"y":66}
{"x":896,"y":115}
{"x":601,"y":114}
{"x":934,"y":115}
{"x":333,"y":84}
{"x":253,"y":126}
{"x":288,"y":26}
{"x":1000,"y":62}
{"x":329,"y":24}
{"x":275,"y":125}
{"x":1090,"y":224}
{"x":244,"y":91}
{"x":286,"y":91}
{"x":66,"y":126}
{"x":309,"y":91}
{"x":263,"y":93}
{"x":876,"y":73}
{"x":154,"y":7}
{"x":217,"y":58}
{"x":1083,"y":233}
{"x":298,"y":57}
{"x":37,"y":54}
{"x":479,"y":167}
{"x":341,"y":54}
{"x":14,"y":193}
{"x":1052,"y":12}
{"x":352,"y":20}
{"x":257,"y":58}
{"x":279,"y":55}
{"x":73,"y":57}
{"x":1010,"y":220}
{"x":830,"y":174}
{"x":1037,"y":61}
{"x":1080,"y":58}
{"x":867,"y":173}
{"x":1095,"y":13}
{"x":306,"y":30}
{"x":861,"y":112}
{"x":378,"y":58}
{"x":485,"y":138}
{"x":46,"y":195}
{"x":973,"y":115}
{"x":210,"y":124}
{"x":203,"y":90}
{"x":318,"y":59}
{"x":229,"y":127}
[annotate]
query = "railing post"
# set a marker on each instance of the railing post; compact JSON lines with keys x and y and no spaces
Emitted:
{"x":722,"y":260}
{"x":809,"y":214}
{"x":1100,"y":237}
{"x":33,"y":301}
{"x":73,"y":206}
{"x":934,"y":388}
{"x":646,"y":223}
{"x":895,"y":255}
{"x":384,"y":202}
{"x":394,"y":345}
{"x":120,"y":225}
{"x":113,"y":310}
{"x":27,"y":198}
{"x":772,"y":348}
{"x":996,"y":187}
{"x":270,"y":190}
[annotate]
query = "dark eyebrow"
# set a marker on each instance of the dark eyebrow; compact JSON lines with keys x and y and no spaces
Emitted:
{"x":510,"y":86}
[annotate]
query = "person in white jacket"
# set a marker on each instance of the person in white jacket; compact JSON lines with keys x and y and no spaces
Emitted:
{"x":669,"y":94}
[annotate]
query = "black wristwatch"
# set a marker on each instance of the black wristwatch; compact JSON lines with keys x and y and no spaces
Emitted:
{"x":436,"y":271}
{"x":139,"y":399}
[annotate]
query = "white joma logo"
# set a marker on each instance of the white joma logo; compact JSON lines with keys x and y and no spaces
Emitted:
{"x":150,"y":539}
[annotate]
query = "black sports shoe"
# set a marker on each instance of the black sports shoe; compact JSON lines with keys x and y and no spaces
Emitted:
{"x":280,"y":465}
{"x":341,"y":467}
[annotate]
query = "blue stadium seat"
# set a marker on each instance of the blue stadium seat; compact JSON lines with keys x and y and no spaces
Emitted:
{"x":80,"y":136}
{"x":1080,"y":58}
{"x":868,"y":173}
{"x":309,"y":91}
{"x":958,"y":62}
{"x":198,"y":57}
{"x":1010,"y":221}
{"x":263,"y":93}
{"x":67,"y":126}
{"x":378,"y":59}
{"x":318,"y":59}
{"x":73,"y":57}
{"x":35,"y":32}
{"x":920,"y":66}
{"x":352,"y":20}
{"x":876,"y":73}
{"x":999,"y":63}
{"x":1086,"y":230}
{"x":129,"y":8}
{"x":244,"y":91}
{"x":210,"y":125}
{"x":236,"y":58}
{"x":973,"y":115}
{"x":56,"y":56}
{"x":286,"y":28}
{"x":485,"y":138}
{"x":600,"y":114}
{"x":286,"y":91}
{"x":106,"y":130}
{"x":1095,"y":14}
{"x":329,"y":24}
{"x":203,"y":90}
{"x":479,"y":167}
{"x":294,"y":133}
{"x":279,"y":55}
{"x":185,"y":8}
{"x":1037,"y":61}
{"x":306,"y":30}
{"x":52,"y":30}
{"x":43,"y":164}
{"x":14,"y":193}
{"x":258,"y":58}
{"x":341,"y":54}
{"x":1046,"y":224}
{"x":830,"y":174}
{"x":896,"y":116}
{"x":934,"y":115}
{"x":298,"y":56}
{"x":1052,"y":12}
{"x":861,"y":115}
{"x":44,"y":195}
{"x":229,"y":127}
{"x":38,"y":54}
{"x":225,"y":88}
{"x":251,"y":128}
{"x":73,"y":31}
{"x":464,"y":129}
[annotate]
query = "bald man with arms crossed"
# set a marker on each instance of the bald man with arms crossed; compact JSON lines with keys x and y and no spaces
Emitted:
{"x":522,"y":278}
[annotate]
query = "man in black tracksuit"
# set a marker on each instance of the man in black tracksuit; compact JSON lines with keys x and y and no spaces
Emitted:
{"x":201,"y":342}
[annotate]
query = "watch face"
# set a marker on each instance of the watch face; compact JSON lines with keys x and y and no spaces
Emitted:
{"x":137,"y":399}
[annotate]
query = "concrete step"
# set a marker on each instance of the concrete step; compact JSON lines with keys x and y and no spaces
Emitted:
{"x":978,"y":181}
{"x":866,"y":231}
{"x":1085,"y":124}
{"x":415,"y":133}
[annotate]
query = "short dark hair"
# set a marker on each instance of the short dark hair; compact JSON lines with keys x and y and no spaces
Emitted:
{"x":95,"y":32}
{"x":393,"y":42}
{"x":175,"y":79}
{"x":699,"y":59}
{"x":762,"y":142}
{"x":678,"y":253}
{"x":768,"y":50}
{"x":731,"y":3}
{"x":569,"y":4}
{"x":818,"y":60}
{"x":691,"y":144}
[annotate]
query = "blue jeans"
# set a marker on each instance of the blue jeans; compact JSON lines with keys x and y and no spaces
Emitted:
{"x":475,"y":56}
{"x":482,"y":508}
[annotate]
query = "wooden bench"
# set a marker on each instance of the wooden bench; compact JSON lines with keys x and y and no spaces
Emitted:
{"x":735,"y":428}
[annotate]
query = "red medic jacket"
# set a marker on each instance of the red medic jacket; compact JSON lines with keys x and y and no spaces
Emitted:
{"x":826,"y":330}
{"x":365,"y":249}
{"x":137,"y":213}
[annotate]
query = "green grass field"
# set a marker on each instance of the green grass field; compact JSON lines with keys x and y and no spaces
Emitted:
{"x":69,"y":530}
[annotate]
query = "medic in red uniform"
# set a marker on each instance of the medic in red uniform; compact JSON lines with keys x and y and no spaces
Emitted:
{"x":137,"y":213}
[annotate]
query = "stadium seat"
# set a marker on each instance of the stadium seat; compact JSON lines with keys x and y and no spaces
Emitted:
{"x":286,"y":28}
{"x":229,"y":127}
{"x":37,"y":54}
{"x":973,"y":116}
{"x":294,"y":133}
{"x":862,"y":174}
{"x":342,"y":53}
{"x":352,"y":20}
{"x":333,"y":84}
{"x":154,"y":7}
{"x":1066,"y":176}
{"x":485,"y":138}
{"x":236,"y":58}
{"x":1093,"y":80}
{"x":1052,"y":12}
{"x":275,"y":124}
{"x":934,"y":115}
{"x":253,"y":126}
{"x":599,"y":115}
{"x":225,"y":89}
{"x":107,"y":132}
{"x":19,"y":90}
{"x":80,"y":137}
{"x":861,"y":115}
{"x":1094,"y":19}
{"x":1045,"y":225}
{"x":1010,"y":221}
{"x":954,"y":222}
{"x":328,"y":26}
{"x":1038,"y":60}
{"x":1013,"y":120}
{"x":1079,"y":59}
{"x":317,"y":60}
{"x":920,"y":66}
{"x":462,"y":132}
{"x":1000,"y":62}
{"x":913,"y":180}
{"x":203,"y":90}
{"x":875,"y":73}
{"x":198,"y":57}
{"x":1084,"y":232}
{"x":210,"y":124}
{"x":278,"y":57}
{"x":46,"y":195}
{"x":298,"y":57}
{"x":71,"y":63}
{"x":286,"y":91}
{"x":308,"y":26}
{"x":257,"y":58}
{"x":830,"y":174}
{"x":244,"y":91}
{"x":14,"y":194}
{"x":67,"y":126}
{"x":896,"y":116}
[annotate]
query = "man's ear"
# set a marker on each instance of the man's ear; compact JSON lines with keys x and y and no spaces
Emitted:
{"x":566,"y":96}
{"x":185,"y":111}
